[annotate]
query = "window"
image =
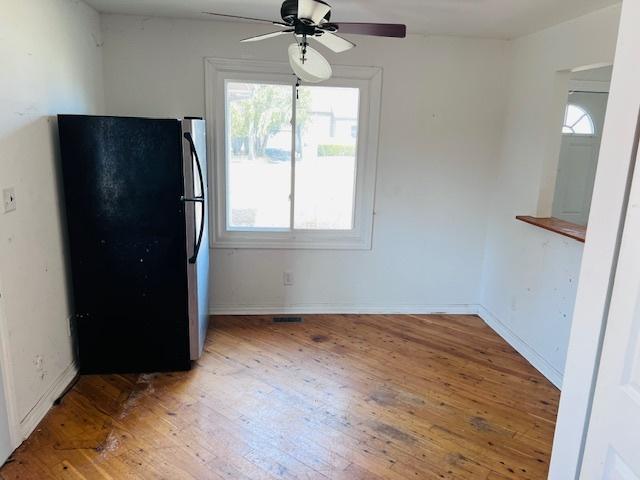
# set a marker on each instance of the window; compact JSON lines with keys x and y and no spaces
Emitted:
{"x":258,"y":155}
{"x":294,"y":167}
{"x":577,"y":121}
{"x":325,"y":158}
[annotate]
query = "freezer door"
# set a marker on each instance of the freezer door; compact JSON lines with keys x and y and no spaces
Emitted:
{"x":197,"y":225}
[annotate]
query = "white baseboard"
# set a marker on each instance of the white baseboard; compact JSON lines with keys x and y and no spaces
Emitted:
{"x":327,"y":308}
{"x":40,"y":409}
{"x":522,"y":347}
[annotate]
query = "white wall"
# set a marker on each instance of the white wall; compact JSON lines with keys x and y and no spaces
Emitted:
{"x":50,"y":63}
{"x":443,"y":104}
{"x":530,"y":275}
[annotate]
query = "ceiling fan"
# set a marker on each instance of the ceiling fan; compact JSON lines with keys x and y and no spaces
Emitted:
{"x":311,"y":19}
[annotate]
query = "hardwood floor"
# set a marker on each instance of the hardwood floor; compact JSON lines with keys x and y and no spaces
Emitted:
{"x":338,"y":396}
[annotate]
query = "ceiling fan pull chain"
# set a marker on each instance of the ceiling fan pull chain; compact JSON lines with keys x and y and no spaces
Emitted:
{"x":304,"y":48}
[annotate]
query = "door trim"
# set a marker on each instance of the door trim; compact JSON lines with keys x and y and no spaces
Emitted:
{"x":7,"y":378}
{"x":611,"y":192}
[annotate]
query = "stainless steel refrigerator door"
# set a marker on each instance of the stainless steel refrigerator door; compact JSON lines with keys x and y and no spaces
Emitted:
{"x":197,"y":225}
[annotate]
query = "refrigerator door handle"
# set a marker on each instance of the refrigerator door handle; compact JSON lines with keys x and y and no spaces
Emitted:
{"x":189,"y":199}
{"x":198,"y":199}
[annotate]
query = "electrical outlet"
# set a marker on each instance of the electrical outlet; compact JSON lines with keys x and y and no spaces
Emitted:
{"x":287,"y":279}
{"x":9,"y":199}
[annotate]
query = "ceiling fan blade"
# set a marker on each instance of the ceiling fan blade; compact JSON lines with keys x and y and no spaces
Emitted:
{"x":312,"y":10}
{"x":266,"y":36}
{"x":237,"y":17}
{"x":377,"y":29}
{"x":334,"y":42}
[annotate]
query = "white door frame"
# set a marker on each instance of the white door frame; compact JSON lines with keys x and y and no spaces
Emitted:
{"x":599,"y":261}
{"x":611,"y":448}
{"x":7,"y":376}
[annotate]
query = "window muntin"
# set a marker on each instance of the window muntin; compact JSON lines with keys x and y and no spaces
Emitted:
{"x":577,"y":121}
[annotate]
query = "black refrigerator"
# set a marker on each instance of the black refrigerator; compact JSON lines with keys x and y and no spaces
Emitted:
{"x":135,"y":192}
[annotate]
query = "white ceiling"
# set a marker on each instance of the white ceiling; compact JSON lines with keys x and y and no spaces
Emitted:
{"x":475,"y":18}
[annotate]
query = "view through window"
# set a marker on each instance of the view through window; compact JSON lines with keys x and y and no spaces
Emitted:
{"x":577,"y":121}
{"x":290,"y":172}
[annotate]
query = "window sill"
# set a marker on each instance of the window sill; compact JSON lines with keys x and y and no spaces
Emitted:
{"x":275,"y":245}
{"x":568,"y":229}
{"x":358,"y":239}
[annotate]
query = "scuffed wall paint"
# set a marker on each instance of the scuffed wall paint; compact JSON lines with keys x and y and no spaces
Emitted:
{"x":442,"y":109}
{"x":50,"y":63}
{"x":530,"y":275}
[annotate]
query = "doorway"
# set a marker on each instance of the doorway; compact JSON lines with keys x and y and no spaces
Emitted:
{"x":580,"y":144}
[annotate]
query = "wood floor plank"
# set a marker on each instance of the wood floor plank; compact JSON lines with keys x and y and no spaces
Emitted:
{"x":410,"y":422}
{"x":391,"y":393}
{"x":336,"y":397}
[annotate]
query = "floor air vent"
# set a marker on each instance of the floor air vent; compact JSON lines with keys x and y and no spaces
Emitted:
{"x":287,"y":319}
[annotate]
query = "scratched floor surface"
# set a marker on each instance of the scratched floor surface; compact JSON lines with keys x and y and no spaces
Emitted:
{"x":338,"y":397}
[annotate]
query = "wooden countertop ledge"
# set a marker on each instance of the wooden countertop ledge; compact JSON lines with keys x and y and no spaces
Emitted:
{"x":568,"y":229}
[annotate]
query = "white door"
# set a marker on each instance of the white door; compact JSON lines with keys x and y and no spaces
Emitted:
{"x":576,"y":175}
{"x":578,"y":161}
{"x":612,"y":450}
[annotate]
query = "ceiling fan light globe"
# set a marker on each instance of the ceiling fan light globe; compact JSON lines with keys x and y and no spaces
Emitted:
{"x":315,"y":69}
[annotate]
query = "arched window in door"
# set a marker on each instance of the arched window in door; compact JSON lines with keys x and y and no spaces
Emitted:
{"x":577,"y":121}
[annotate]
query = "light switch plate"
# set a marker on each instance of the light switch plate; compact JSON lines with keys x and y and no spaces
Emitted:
{"x":9,"y":199}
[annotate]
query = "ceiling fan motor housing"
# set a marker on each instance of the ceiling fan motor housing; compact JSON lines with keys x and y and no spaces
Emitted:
{"x":289,"y":12}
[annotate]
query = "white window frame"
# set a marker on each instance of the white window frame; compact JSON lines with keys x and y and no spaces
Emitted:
{"x":368,"y":80}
